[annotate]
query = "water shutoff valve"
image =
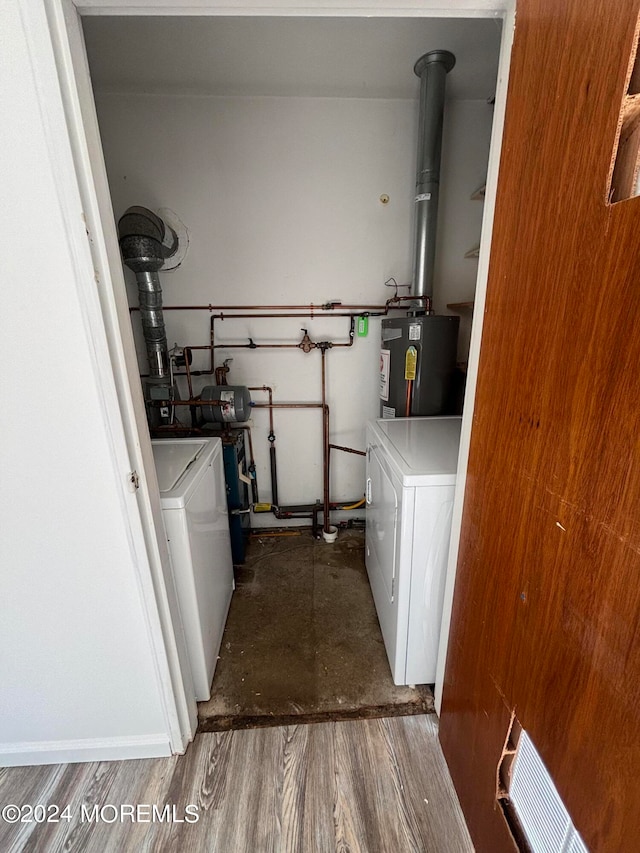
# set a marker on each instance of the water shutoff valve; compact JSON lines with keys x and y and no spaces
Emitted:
{"x":306,"y":344}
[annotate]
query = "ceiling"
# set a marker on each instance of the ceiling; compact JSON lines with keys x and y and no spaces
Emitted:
{"x":311,"y":57}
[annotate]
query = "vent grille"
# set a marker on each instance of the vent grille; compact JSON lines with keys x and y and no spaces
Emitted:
{"x":544,"y":819}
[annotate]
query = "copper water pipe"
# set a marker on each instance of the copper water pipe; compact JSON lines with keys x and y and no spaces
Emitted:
{"x":328,"y":307}
{"x":325,"y":427}
{"x":331,"y":309}
{"x":190,"y":373}
{"x":347,"y":449}
{"x":265,"y":346}
{"x":187,"y":352}
{"x":311,"y":344}
{"x":408,"y":398}
{"x":305,"y":314}
{"x":321,"y":310}
{"x":325,"y":443}
{"x":249,"y":311}
{"x":255,"y":346}
{"x":309,"y":307}
{"x":212,"y":346}
{"x":323,"y":346}
{"x":270,"y":392}
{"x":222,"y":403}
{"x":270,"y":346}
{"x":285,"y":405}
{"x":325,"y":435}
{"x":225,"y":346}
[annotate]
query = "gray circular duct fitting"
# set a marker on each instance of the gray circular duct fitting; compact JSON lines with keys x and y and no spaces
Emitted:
{"x":141,"y":254}
{"x":143,"y":240}
{"x":445,"y":57}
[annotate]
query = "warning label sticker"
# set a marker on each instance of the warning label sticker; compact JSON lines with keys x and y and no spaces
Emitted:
{"x":228,"y":398}
{"x":415,"y":330}
{"x":410,"y":363}
{"x":385,"y":365}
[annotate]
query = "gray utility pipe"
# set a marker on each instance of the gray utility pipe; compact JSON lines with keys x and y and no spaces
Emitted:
{"x":146,"y":242}
{"x":432,"y":69}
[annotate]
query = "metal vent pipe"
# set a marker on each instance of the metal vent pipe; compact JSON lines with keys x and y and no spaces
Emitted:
{"x":432,"y":69}
{"x":146,"y":242}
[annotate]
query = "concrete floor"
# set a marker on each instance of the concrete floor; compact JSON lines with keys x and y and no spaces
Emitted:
{"x":302,"y":641}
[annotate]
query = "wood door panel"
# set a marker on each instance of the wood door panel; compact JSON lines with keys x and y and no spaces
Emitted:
{"x":547,"y":601}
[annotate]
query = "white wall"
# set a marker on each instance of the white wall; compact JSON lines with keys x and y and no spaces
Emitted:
{"x":77,"y":676}
{"x":464,"y":168}
{"x":281,"y":198}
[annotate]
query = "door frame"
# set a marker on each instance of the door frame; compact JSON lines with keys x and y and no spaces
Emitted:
{"x":124,"y":410}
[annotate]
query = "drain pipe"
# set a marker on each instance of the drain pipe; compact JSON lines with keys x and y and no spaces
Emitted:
{"x":432,"y":69}
{"x":146,"y":242}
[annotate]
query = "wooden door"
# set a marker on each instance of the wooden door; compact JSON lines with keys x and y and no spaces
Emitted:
{"x":547,"y":602}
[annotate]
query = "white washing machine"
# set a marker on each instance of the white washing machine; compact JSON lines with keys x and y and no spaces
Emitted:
{"x":194,"y":507}
{"x":411,"y":477}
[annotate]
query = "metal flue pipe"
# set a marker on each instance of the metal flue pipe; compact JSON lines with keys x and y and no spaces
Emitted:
{"x":146,"y":242}
{"x":432,"y":69}
{"x":155,"y":336}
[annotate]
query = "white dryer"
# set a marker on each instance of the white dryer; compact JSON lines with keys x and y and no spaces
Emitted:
{"x":194,"y":507}
{"x":411,"y":477}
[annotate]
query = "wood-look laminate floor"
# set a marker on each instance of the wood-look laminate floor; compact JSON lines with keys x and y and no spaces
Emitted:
{"x":367,"y":786}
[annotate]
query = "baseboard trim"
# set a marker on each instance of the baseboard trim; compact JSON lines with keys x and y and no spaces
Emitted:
{"x":87,"y":749}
